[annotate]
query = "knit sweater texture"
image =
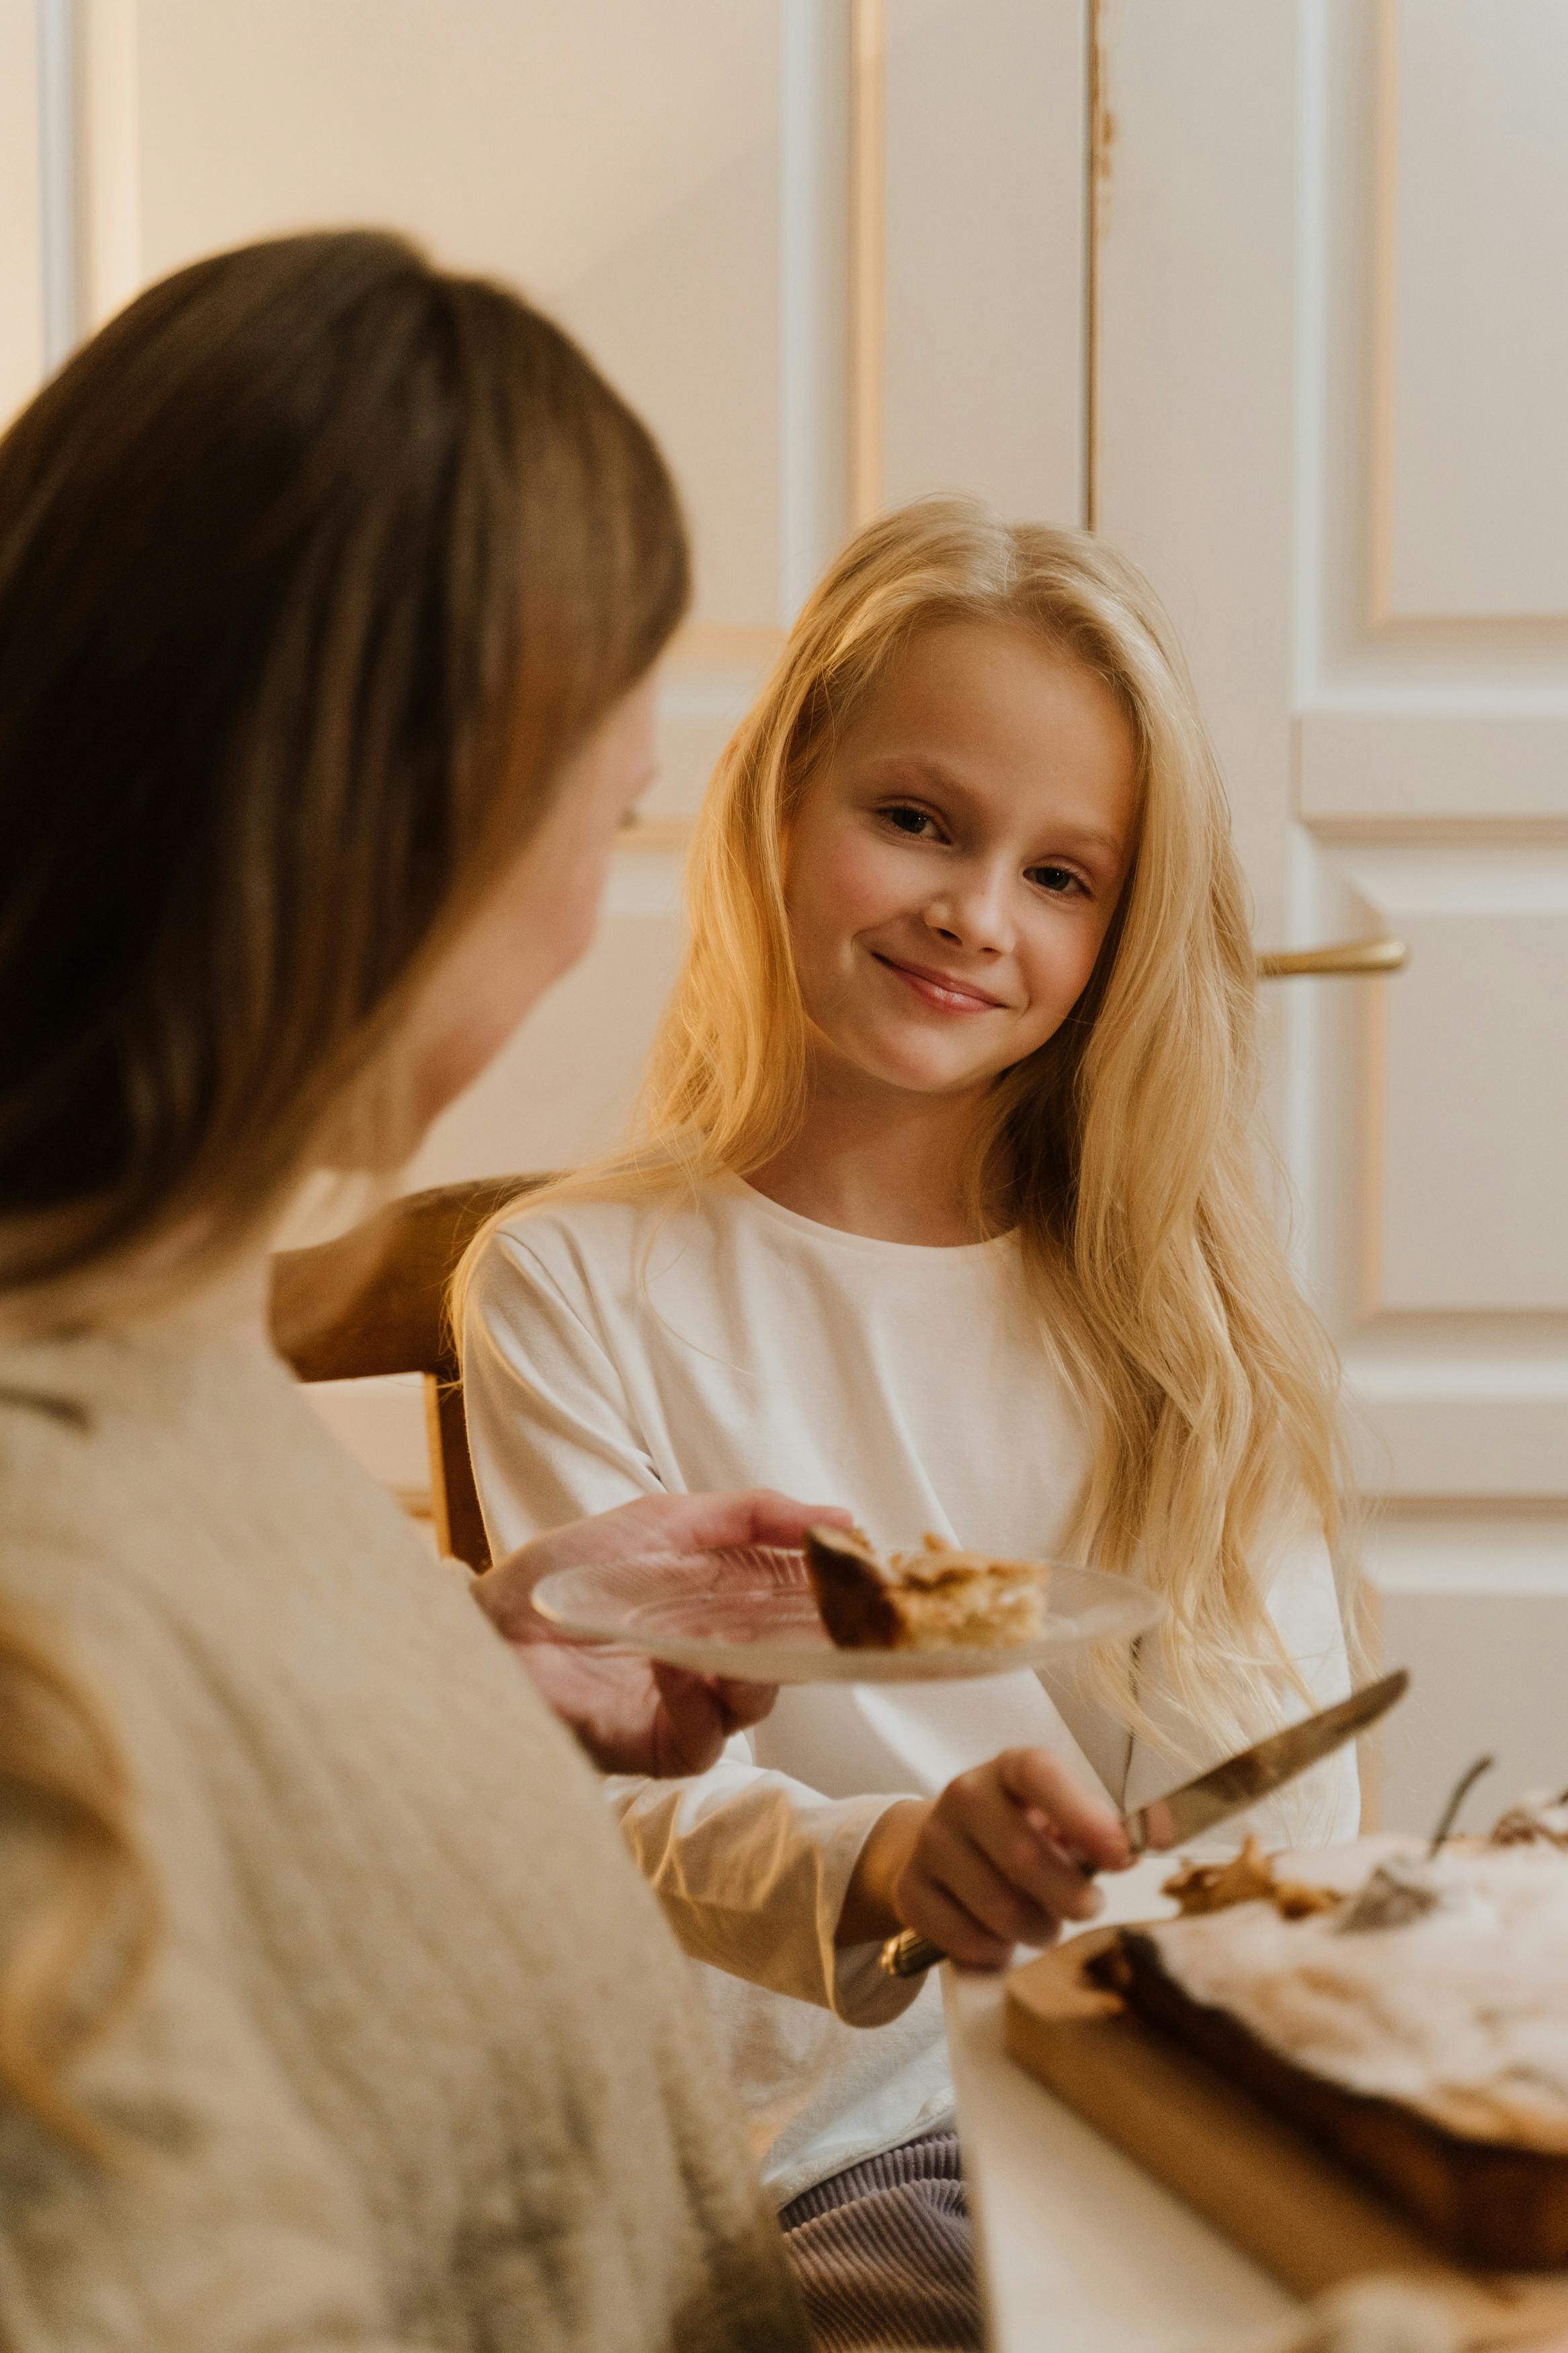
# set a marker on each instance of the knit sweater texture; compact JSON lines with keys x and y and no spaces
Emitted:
{"x":418,"y":2064}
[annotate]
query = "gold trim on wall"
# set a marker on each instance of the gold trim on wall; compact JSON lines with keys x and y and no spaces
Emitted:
{"x":1373,"y":1182}
{"x":1385,"y":237}
{"x":867,"y":254}
{"x":1102,"y":130}
{"x":1342,"y":960}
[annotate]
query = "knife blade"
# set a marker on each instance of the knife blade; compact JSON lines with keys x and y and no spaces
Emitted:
{"x":1230,"y":1788}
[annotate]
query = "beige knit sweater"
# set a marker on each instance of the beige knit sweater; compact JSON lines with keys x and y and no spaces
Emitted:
{"x":419,"y":2066}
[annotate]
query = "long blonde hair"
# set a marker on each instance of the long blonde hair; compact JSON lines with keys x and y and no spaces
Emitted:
{"x":1125,"y":1152}
{"x":315,"y":565}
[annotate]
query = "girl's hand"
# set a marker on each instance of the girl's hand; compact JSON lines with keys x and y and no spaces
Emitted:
{"x":630,"y":1714}
{"x":999,"y":1859}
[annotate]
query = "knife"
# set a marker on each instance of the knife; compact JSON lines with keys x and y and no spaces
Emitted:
{"x":1225,"y":1789}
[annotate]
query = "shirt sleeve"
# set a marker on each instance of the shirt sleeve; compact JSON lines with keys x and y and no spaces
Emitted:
{"x":551,"y":1428}
{"x":750,"y":1865}
{"x":1322,"y":1808}
{"x":751,"y":1869}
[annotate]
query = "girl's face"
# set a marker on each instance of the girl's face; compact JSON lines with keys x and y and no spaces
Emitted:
{"x":954,"y":868}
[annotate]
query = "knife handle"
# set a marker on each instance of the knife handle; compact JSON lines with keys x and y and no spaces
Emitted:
{"x":909,"y":1954}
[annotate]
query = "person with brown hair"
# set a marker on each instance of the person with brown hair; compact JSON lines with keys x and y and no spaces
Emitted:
{"x":331,"y":2011}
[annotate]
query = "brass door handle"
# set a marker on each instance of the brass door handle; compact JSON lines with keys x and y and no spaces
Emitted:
{"x":1344,"y":958}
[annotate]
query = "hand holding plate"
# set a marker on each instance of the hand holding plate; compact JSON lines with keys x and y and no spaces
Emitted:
{"x":631,"y":1714}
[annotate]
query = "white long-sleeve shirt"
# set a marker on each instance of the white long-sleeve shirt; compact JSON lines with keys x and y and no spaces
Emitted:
{"x":623,"y":1348}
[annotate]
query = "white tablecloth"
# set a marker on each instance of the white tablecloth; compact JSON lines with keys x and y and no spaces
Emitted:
{"x":1082,"y":2252}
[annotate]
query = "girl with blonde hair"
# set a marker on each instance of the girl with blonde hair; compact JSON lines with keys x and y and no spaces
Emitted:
{"x":947,"y":1200}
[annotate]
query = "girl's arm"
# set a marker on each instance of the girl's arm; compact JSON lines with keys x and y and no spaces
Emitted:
{"x":551,"y":1427}
{"x":1002,"y":1858}
{"x":752,"y":1867}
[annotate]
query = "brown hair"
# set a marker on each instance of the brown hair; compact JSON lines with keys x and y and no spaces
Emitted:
{"x":314,"y":566}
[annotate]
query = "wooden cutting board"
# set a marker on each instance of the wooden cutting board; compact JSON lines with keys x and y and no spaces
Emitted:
{"x":1300,"y":2215}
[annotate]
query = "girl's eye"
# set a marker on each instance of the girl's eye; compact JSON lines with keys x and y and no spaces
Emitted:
{"x":1058,"y":880}
{"x":908,"y":820}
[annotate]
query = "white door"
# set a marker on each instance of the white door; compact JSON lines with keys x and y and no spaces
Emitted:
{"x":1331,"y":372}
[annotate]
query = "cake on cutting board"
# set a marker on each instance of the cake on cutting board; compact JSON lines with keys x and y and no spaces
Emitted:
{"x":933,"y":1598}
{"x":1411,"y":2016}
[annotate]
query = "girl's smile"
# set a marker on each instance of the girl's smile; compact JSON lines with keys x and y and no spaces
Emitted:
{"x":940,"y":989}
{"x":954,"y":865}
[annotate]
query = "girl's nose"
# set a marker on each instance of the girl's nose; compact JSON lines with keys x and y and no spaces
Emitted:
{"x":974,"y":913}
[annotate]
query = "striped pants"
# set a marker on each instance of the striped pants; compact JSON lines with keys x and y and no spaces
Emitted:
{"x":883,"y":2253}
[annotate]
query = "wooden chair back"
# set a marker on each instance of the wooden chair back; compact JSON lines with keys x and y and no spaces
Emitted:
{"x":375,"y":1301}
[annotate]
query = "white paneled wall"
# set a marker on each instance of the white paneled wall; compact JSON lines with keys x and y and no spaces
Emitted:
{"x":1473,"y":323}
{"x":618,"y":162}
{"x":1333,"y":370}
{"x":983,"y":376}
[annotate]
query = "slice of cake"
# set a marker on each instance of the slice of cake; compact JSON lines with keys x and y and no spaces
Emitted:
{"x":926,"y":1601}
{"x":1412,"y":2017}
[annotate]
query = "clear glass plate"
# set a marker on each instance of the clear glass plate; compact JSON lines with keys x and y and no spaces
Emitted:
{"x":750,"y":1612}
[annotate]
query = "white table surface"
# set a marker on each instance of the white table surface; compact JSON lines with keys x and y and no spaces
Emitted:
{"x":1080,"y":2250}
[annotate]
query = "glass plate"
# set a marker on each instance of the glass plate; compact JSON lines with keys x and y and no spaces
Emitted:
{"x":750,"y":1612}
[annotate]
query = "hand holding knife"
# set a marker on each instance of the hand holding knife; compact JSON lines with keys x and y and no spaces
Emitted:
{"x":1228,"y":1789}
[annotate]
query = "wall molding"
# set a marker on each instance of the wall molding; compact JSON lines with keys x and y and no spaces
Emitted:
{"x":1385,"y":265}
{"x":1100,"y":137}
{"x":813,"y":291}
{"x":867,"y":254}
{"x":1397,"y":214}
{"x":1371,"y":766}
